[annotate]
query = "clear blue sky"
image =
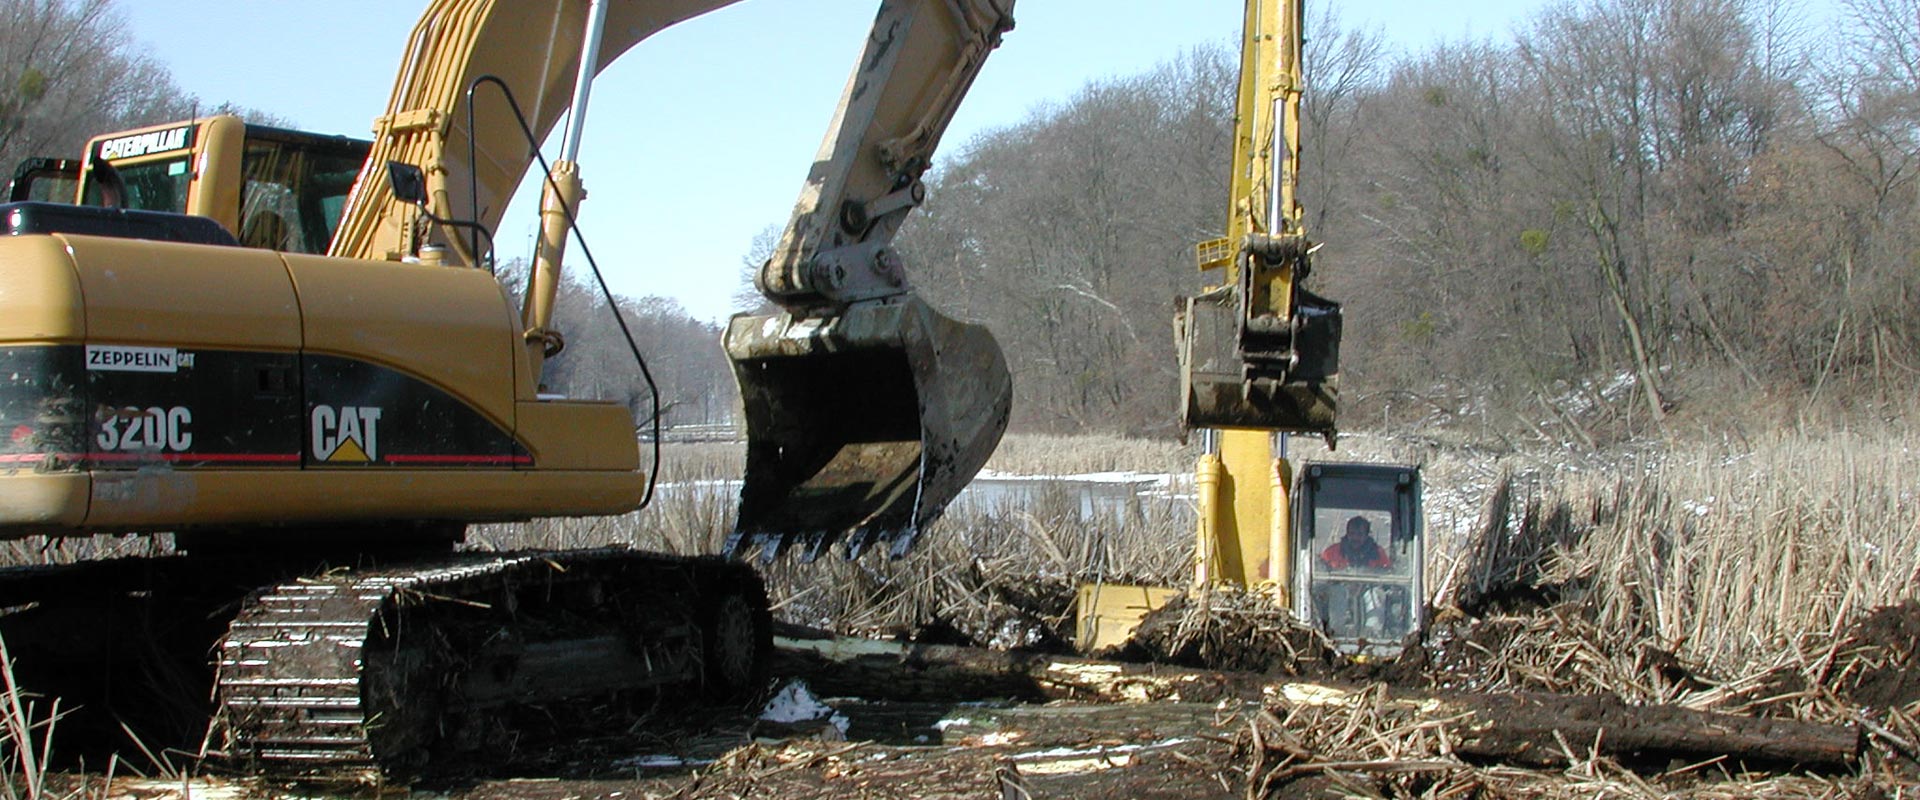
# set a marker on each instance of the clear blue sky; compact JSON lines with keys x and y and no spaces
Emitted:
{"x":700,"y":138}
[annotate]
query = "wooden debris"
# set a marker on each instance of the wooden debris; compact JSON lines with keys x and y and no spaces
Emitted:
{"x":940,"y":673}
{"x":1539,"y":729}
{"x":1526,"y":728}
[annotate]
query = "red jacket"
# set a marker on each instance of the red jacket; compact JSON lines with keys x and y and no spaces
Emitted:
{"x":1336,"y":557}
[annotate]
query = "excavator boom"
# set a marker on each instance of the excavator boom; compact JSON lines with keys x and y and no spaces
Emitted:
{"x":534,"y":48}
{"x":1259,"y":352}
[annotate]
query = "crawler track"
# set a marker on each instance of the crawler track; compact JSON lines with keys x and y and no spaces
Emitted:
{"x":361,"y":675}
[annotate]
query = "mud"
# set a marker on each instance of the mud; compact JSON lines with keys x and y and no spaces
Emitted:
{"x":893,"y":750}
{"x":1030,"y":615}
{"x":980,"y":747}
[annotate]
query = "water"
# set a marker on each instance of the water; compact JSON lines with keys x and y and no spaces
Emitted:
{"x":1096,"y":497}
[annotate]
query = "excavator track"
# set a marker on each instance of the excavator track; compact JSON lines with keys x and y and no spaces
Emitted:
{"x":366,"y":675}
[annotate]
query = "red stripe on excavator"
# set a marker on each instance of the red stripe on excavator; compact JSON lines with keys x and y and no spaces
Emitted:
{"x":264,"y":458}
{"x":456,"y":459}
{"x":238,"y":458}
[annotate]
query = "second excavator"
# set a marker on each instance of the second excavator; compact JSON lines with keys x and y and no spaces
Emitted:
{"x":1340,"y":545}
{"x":181,"y":360}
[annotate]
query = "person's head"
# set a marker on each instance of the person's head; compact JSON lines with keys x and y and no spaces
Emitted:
{"x":1357,"y":545}
{"x":1358,"y":528}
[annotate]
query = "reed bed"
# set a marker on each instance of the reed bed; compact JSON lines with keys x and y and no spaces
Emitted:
{"x":1045,"y":454}
{"x":1729,"y":556}
{"x":1001,"y":575}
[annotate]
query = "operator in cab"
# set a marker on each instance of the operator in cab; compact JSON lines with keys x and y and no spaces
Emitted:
{"x":1356,"y":549}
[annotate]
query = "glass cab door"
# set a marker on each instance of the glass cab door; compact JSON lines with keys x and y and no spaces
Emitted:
{"x":1359,"y":554}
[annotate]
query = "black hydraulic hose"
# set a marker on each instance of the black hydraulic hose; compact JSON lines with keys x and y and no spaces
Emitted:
{"x":533,"y":145}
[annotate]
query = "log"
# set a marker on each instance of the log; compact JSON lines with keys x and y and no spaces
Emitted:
{"x":1527,"y":728}
{"x":1520,"y":728}
{"x":899,"y":672}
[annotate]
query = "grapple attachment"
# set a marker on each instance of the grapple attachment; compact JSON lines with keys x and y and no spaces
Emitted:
{"x":1259,"y":372}
{"x":861,"y":426}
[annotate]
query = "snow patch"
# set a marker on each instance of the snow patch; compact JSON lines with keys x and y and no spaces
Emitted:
{"x":1068,"y":752}
{"x":1698,"y":508}
{"x":656,"y":761}
{"x":797,"y":703}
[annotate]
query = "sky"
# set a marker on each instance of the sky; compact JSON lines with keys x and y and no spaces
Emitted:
{"x":700,"y":138}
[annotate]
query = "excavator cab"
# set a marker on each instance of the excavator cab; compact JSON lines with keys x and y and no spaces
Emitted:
{"x":271,"y":188}
{"x":1359,"y":546}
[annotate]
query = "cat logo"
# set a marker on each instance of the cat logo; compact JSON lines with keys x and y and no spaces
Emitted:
{"x":349,"y":434}
{"x":141,"y":144}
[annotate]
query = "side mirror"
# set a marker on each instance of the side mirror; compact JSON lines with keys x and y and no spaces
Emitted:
{"x":408,"y":181}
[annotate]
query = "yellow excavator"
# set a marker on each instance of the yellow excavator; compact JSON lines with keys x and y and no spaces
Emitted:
{"x":1340,"y":544}
{"x":286,"y":349}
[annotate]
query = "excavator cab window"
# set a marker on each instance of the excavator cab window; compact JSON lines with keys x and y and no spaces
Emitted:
{"x":1359,"y":534}
{"x":46,"y":180}
{"x":296,"y":186}
{"x":147,"y":186}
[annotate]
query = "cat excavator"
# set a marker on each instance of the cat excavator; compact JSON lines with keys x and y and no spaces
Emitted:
{"x":289,"y":352}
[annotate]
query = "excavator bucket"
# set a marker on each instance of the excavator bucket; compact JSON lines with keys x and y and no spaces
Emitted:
{"x":1228,"y":379}
{"x":861,"y":426}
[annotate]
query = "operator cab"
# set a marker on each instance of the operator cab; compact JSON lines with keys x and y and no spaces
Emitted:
{"x":270,"y":187}
{"x":1359,"y":549}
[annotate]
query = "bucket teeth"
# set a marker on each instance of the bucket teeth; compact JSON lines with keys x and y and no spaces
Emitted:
{"x":861,"y":426}
{"x":817,"y":543}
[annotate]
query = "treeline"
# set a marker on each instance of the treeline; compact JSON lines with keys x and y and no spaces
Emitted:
{"x":682,"y":353}
{"x":1638,"y":213}
{"x":67,"y":73}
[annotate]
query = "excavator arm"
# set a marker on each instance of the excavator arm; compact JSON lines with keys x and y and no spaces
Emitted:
{"x":1259,"y":352}
{"x":866,"y":409}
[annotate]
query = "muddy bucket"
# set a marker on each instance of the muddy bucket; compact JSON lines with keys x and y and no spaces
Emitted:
{"x":863,"y":426}
{"x":1280,"y":380}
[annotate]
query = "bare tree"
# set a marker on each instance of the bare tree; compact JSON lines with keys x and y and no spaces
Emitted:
{"x":746,"y":296}
{"x":69,"y":70}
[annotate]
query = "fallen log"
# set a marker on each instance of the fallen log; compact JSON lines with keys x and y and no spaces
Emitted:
{"x":1535,"y":729}
{"x":879,"y":670}
{"x":1552,"y":730}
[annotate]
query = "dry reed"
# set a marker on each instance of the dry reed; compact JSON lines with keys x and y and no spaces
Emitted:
{"x":1729,"y":557}
{"x":995,"y":573}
